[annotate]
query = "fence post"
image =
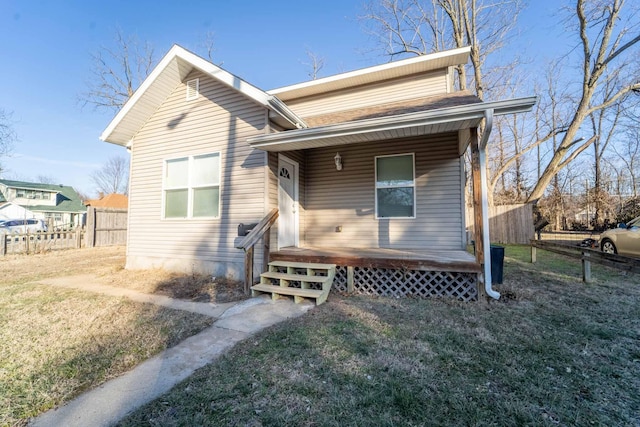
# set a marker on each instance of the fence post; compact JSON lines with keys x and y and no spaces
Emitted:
{"x":586,"y":267}
{"x":91,"y":227}
{"x":534,"y":254}
{"x":3,"y":244}
{"x":78,"y":237}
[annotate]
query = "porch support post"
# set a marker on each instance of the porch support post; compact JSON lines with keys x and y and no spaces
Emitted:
{"x":248,"y":270}
{"x":478,"y":227}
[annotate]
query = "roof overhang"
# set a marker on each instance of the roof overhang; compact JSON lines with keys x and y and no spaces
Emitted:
{"x":391,"y":127}
{"x":390,"y":70}
{"x":173,"y":69}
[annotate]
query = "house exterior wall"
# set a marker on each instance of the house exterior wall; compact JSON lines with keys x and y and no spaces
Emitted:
{"x":346,"y":198}
{"x":219,"y":120}
{"x":409,"y":87}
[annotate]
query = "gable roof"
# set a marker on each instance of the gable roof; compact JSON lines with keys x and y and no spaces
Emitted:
{"x":69,"y":200}
{"x":166,"y":76}
{"x":390,"y":70}
{"x":113,"y":200}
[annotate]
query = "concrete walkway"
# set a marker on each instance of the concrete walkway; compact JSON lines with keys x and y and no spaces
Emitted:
{"x":112,"y":401}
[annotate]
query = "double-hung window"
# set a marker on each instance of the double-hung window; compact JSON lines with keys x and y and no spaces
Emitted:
{"x":395,"y":186}
{"x":191,"y":187}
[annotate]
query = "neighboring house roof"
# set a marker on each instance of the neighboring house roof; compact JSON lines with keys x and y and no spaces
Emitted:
{"x":113,"y":200}
{"x":31,"y":185}
{"x":166,"y":76}
{"x":69,"y":202}
{"x":390,"y":70}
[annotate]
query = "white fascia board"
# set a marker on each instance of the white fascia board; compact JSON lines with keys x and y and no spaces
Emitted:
{"x":375,"y":69}
{"x":131,"y":102}
{"x":421,"y":118}
{"x":178,"y":52}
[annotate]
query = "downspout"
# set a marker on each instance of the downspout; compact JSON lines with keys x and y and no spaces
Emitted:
{"x":486,"y":243}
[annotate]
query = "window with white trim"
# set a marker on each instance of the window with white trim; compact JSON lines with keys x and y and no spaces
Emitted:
{"x":395,"y":186}
{"x":191,"y":187}
{"x":193,"y":88}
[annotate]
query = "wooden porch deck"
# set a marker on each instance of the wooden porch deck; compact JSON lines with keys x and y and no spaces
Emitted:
{"x":411,"y":259}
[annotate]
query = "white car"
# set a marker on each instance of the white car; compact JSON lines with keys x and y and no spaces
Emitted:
{"x":21,"y":226}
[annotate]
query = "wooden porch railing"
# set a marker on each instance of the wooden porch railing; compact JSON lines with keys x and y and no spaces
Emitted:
{"x":247,"y":244}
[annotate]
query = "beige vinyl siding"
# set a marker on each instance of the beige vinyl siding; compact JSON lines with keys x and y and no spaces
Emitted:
{"x":219,"y":120}
{"x":347,"y":198}
{"x":410,"y":87}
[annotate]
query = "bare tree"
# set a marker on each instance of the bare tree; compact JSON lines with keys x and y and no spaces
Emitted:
{"x":7,"y":135}
{"x":606,"y":49}
{"x":418,"y":27}
{"x":314,"y":62}
{"x":46,"y":179}
{"x":117,"y":72}
{"x":113,"y":176}
{"x":208,"y":45}
{"x":628,"y":153}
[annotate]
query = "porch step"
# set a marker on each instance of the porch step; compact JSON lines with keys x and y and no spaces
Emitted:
{"x":293,"y":277}
{"x":285,"y":290}
{"x":297,"y":281}
{"x":313,"y":265}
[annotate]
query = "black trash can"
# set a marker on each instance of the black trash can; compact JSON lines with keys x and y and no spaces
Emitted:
{"x":497,"y":263}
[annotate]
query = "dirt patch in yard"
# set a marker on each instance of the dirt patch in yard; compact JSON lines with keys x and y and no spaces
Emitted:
{"x":107,"y":264}
{"x":192,"y":287}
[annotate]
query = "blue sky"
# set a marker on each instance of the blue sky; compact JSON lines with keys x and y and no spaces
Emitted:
{"x":45,"y":48}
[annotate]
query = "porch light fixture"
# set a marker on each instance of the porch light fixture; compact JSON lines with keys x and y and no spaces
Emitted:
{"x":338,"y":160}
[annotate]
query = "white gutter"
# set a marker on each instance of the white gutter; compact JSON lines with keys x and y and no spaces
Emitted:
{"x":281,"y":108}
{"x":422,"y":118}
{"x":484,"y":191}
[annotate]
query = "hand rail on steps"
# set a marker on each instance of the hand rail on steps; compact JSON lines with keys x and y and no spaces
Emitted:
{"x":262,"y":230}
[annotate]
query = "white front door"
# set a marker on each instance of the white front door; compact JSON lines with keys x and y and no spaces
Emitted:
{"x":287,"y":202}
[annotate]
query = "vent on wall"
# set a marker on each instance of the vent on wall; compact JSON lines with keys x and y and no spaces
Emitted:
{"x":193,"y":86}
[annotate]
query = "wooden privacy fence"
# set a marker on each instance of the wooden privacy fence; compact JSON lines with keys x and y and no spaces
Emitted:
{"x":507,"y":223}
{"x":30,"y":243}
{"x":106,"y":226}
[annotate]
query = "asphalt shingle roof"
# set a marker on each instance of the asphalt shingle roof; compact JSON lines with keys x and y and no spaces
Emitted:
{"x":454,"y":99}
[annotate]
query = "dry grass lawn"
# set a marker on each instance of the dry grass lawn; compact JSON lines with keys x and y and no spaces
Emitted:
{"x":552,"y":352}
{"x":57,"y":343}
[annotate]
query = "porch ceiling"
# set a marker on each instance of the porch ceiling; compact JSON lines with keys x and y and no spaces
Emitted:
{"x":389,"y":127}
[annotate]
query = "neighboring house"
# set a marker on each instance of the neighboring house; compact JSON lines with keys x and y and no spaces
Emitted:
{"x":113,"y":200}
{"x":365,"y":167}
{"x":59,"y":205}
{"x":10,"y":210}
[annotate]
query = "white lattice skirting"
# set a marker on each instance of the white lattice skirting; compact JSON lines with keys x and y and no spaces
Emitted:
{"x":392,"y":282}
